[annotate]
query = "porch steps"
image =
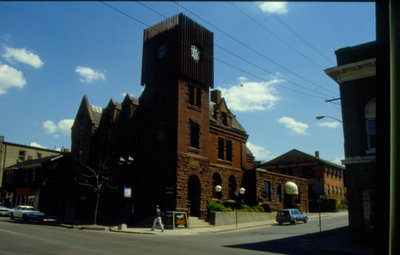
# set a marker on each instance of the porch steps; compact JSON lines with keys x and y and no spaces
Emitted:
{"x":196,"y":222}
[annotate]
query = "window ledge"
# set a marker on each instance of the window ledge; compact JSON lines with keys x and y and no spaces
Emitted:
{"x":371,"y":151}
{"x":225,"y":162}
{"x":194,"y":107}
{"x":195,"y":150}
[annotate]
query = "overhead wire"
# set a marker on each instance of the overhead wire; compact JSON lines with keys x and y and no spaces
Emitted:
{"x":302,"y":39}
{"x":250,"y":48}
{"x":276,"y":36}
{"x":247,"y":61}
{"x":219,"y":60}
{"x":282,"y":41}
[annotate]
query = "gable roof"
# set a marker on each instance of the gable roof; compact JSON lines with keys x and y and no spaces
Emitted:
{"x":35,"y":162}
{"x":96,"y":111}
{"x":235,"y":124}
{"x":293,"y":156}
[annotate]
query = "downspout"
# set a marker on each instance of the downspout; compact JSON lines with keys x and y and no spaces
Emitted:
{"x":394,"y":30}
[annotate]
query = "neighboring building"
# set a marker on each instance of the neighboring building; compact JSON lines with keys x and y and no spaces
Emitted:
{"x":322,"y":176}
{"x":45,"y":183}
{"x":356,"y":76}
{"x":275,"y":191}
{"x":11,"y":154}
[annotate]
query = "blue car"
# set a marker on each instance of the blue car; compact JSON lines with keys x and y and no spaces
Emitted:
{"x":291,"y":215}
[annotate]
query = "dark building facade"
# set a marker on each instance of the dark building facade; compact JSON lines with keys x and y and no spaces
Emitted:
{"x":356,"y":76}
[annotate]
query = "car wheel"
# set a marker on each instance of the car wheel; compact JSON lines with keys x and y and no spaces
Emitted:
{"x":11,"y":216}
{"x":280,"y":223}
{"x":24,"y":217}
{"x":293,"y":222}
{"x":305,"y":220}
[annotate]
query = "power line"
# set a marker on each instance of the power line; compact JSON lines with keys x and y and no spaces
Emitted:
{"x":302,"y":39}
{"x":243,"y":59}
{"x":263,"y":79}
{"x":265,"y":70}
{"x":277,"y":37}
{"x":237,"y":68}
{"x":251,"y":49}
{"x":124,"y":13}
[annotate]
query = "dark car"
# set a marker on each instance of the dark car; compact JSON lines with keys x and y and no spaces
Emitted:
{"x":291,"y":215}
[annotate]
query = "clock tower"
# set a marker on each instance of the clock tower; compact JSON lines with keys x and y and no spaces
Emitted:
{"x":177,"y":72}
{"x":177,"y":48}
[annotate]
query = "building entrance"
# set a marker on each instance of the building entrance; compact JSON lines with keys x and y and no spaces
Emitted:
{"x":194,"y":196}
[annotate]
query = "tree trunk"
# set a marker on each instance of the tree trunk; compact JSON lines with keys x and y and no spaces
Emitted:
{"x":96,"y":209}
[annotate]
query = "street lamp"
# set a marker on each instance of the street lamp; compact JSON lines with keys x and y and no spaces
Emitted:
{"x":237,"y":193}
{"x":321,"y":117}
{"x":127,"y":191}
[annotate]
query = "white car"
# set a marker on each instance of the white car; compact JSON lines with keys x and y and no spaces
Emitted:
{"x":26,"y":212}
{"x":4,"y":211}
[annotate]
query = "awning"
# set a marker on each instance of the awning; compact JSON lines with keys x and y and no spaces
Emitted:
{"x":25,"y":191}
{"x":291,"y":188}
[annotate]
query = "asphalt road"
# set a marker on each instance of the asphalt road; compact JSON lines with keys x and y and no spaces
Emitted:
{"x":31,"y":238}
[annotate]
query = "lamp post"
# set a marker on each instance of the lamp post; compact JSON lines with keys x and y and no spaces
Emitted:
{"x":127,"y":191}
{"x":325,"y":116}
{"x":237,"y":194}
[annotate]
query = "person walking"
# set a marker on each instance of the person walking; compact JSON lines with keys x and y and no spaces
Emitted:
{"x":157,"y":219}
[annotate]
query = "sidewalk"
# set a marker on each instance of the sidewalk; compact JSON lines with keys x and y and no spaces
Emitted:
{"x":211,"y":229}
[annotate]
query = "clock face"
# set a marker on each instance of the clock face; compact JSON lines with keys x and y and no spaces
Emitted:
{"x":195,"y":53}
{"x":162,"y":51}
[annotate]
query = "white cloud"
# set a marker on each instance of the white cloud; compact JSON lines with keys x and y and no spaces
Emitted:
{"x":338,"y":161}
{"x":329,"y":124}
{"x":274,"y":7}
{"x":295,"y":126}
{"x":10,"y":77}
{"x":22,"y":55}
{"x":258,"y":151}
{"x":251,"y":96}
{"x":242,"y":78}
{"x":33,"y":144}
{"x":63,"y":127}
{"x":88,"y":75}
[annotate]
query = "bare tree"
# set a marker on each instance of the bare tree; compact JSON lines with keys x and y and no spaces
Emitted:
{"x":99,"y":181}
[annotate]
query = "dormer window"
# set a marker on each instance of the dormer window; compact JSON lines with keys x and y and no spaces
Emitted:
{"x":224,"y":118}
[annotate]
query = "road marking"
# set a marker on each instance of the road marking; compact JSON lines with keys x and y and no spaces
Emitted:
{"x":8,"y":231}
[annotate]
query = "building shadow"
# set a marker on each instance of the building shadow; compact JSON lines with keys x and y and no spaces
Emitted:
{"x":334,"y":241}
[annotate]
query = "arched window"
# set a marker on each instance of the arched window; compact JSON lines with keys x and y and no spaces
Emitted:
{"x":232,"y":187}
{"x":370,"y":115}
{"x":216,"y":181}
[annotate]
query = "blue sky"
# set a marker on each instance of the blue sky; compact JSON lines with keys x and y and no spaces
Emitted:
{"x":269,"y":64}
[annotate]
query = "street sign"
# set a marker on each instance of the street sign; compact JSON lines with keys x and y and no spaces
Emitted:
{"x":127,"y":192}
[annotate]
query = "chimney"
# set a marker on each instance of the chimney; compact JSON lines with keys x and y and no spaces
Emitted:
{"x":317,"y":154}
{"x":216,"y":96}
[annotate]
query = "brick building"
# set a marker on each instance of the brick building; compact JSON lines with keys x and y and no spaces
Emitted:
{"x":173,"y":145}
{"x":356,"y":75}
{"x":11,"y":154}
{"x":322,"y":176}
{"x":178,"y":141}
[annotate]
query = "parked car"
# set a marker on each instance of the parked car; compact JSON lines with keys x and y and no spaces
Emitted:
{"x":291,"y":215}
{"x":26,"y":212}
{"x":4,"y":211}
